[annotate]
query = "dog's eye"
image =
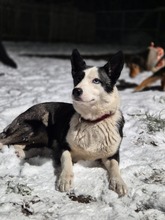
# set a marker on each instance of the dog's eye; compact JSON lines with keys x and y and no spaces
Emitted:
{"x":96,"y":81}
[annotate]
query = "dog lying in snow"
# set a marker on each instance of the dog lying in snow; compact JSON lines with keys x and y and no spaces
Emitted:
{"x":151,"y":59}
{"x":90,"y":129}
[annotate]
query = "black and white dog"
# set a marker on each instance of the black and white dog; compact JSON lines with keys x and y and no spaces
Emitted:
{"x":90,"y":129}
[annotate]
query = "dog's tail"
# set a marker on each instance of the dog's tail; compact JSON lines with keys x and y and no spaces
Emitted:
{"x":4,"y":57}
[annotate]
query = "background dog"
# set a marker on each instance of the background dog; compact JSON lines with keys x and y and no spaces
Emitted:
{"x":90,"y":129}
{"x":151,"y":59}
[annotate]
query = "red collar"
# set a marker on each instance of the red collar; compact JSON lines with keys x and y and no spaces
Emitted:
{"x":97,"y":119}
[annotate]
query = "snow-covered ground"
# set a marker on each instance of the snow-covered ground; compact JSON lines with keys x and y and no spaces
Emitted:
{"x":27,"y":188}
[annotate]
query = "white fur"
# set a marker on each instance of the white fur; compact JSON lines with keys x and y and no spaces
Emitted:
{"x":92,"y":141}
{"x":65,"y":182}
{"x":95,"y":102}
{"x":116,"y":183}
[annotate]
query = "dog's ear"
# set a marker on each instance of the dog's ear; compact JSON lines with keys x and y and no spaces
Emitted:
{"x":114,"y":66}
{"x":77,"y":62}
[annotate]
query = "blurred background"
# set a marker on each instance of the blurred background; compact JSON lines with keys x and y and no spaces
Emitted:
{"x":114,"y":22}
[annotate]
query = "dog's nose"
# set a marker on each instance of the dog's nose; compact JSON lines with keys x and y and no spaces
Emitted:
{"x":77,"y":92}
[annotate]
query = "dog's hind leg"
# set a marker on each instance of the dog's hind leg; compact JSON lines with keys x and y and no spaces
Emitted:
{"x":116,"y":182}
{"x":65,"y":182}
{"x":147,"y":82}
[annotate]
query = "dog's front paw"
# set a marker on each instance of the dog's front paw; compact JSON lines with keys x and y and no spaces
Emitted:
{"x":65,"y":182}
{"x":118,"y":185}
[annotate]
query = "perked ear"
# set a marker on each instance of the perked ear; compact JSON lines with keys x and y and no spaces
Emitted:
{"x":77,"y":62}
{"x":114,"y":66}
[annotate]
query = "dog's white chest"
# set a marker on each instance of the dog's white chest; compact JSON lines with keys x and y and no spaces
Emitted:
{"x":91,"y":141}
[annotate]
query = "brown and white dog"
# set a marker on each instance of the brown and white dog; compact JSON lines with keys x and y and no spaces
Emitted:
{"x":88,"y":129}
{"x":151,"y":59}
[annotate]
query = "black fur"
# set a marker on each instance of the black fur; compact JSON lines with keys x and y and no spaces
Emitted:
{"x":120,"y":125}
{"x":105,"y":80}
{"x":30,"y":129}
{"x":78,"y":78}
{"x":110,"y":72}
{"x":114,"y":67}
{"x":77,"y":62}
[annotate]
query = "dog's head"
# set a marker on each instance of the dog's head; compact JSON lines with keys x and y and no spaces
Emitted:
{"x":94,"y":92}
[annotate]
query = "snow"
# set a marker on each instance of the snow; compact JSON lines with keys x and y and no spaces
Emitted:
{"x":28,"y":187}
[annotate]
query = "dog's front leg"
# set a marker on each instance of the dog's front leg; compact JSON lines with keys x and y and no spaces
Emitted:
{"x":116,"y":183}
{"x":65,"y":182}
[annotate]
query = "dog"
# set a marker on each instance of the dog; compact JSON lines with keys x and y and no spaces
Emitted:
{"x":89,"y":129}
{"x":151,"y":59}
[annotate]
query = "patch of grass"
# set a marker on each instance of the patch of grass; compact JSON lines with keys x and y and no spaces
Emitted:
{"x":18,"y":188}
{"x":154,"y":123}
